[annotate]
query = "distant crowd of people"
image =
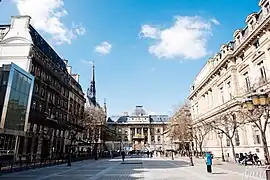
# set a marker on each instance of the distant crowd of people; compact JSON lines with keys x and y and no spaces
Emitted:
{"x":249,"y":158}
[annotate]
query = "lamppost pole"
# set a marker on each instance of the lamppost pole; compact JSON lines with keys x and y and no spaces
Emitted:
{"x":190,"y":147}
{"x":172,"y":146}
{"x":260,"y":101}
{"x":220,"y":135}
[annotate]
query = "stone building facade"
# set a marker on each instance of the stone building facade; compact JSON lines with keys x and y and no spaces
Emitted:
{"x":225,"y":81}
{"x":138,"y":131}
{"x":57,"y":100}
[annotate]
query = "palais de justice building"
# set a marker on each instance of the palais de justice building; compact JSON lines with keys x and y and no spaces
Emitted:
{"x":138,"y":131}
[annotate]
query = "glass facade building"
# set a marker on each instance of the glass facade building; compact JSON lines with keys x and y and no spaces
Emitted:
{"x":20,"y":88}
{"x":15,"y":99}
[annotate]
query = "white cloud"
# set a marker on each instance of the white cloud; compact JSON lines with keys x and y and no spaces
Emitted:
{"x":186,"y":38}
{"x":149,"y":32}
{"x":87,"y":61}
{"x":47,"y":17}
{"x":78,"y":29}
{"x":215,"y":21}
{"x":104,"y":48}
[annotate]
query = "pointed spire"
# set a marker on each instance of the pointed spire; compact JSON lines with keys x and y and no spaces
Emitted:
{"x":91,"y":92}
{"x":105,"y":107}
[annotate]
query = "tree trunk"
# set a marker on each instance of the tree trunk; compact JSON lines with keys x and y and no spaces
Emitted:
{"x":233,"y":150}
{"x":265,"y":148}
{"x":200,"y":146}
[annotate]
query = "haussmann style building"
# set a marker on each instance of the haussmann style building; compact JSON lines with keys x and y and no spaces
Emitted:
{"x":228,"y":78}
{"x":57,"y":99}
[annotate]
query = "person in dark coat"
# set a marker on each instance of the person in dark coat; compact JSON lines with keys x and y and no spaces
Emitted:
{"x":208,"y":159}
{"x":147,"y":153}
{"x":123,"y":154}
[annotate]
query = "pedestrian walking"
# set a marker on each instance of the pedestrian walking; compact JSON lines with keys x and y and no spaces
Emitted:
{"x":123,"y":154}
{"x":147,"y":153}
{"x":208,"y":160}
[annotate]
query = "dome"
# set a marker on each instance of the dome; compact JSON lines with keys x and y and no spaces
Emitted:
{"x":139,"y":111}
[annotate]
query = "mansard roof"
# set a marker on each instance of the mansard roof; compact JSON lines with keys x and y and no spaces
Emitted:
{"x":122,"y":119}
{"x":159,"y":118}
{"x":46,"y":49}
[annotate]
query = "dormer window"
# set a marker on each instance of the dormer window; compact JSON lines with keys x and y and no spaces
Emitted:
{"x":256,"y":44}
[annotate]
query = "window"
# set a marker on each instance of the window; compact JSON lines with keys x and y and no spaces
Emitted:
{"x":221,"y":94}
{"x":257,"y":137}
{"x":37,"y":72}
{"x":42,"y":92}
{"x":34,"y":104}
{"x":36,"y":88}
{"x":153,"y":139}
{"x":229,"y":89}
{"x":40,"y":107}
{"x":257,"y":44}
{"x":262,"y":71}
{"x":32,"y":69}
{"x":247,"y":81}
{"x":158,"y":138}
{"x":158,"y":130}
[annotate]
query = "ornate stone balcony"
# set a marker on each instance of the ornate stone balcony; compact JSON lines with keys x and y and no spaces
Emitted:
{"x":138,"y":137}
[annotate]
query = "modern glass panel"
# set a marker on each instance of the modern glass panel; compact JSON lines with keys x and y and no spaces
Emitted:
{"x":17,"y":104}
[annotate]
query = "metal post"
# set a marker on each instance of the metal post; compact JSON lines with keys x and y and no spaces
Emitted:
{"x":223,"y":158}
{"x":69,"y":156}
{"x":172,"y":148}
{"x":190,"y":154}
{"x":220,"y":135}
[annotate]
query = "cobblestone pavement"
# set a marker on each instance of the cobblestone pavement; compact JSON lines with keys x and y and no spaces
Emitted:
{"x":131,"y":169}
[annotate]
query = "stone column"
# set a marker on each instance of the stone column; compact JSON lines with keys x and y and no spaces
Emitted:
{"x":51,"y":143}
{"x":40,"y":140}
{"x":142,"y":131}
{"x":129,"y":134}
{"x":149,"y":136}
{"x":25,"y":143}
{"x":135,"y":131}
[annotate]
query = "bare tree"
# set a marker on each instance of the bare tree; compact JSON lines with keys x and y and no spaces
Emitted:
{"x":180,"y":123}
{"x":259,"y":117}
{"x":228,"y":124}
{"x":94,"y":118}
{"x":180,"y":126}
{"x":199,"y":134}
{"x":259,"y":114}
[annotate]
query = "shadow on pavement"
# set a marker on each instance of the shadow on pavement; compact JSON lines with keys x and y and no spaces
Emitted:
{"x":130,"y":169}
{"x":219,"y":173}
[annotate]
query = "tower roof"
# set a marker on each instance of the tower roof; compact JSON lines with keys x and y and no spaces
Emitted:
{"x":91,"y":91}
{"x":139,"y":111}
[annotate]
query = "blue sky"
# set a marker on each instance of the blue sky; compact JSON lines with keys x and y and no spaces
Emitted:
{"x":147,"y":54}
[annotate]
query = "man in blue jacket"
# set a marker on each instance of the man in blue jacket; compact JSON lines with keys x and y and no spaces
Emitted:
{"x":208,"y":160}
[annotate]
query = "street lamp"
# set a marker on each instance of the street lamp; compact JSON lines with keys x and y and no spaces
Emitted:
{"x":256,"y":100}
{"x":172,"y":146}
{"x":220,"y":135}
{"x":190,"y":146}
{"x":69,"y":147}
{"x":259,"y":101}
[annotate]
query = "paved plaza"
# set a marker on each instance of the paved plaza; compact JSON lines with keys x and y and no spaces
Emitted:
{"x":131,"y":169}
